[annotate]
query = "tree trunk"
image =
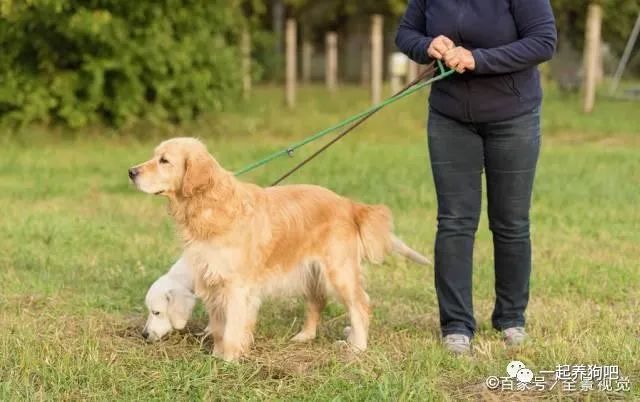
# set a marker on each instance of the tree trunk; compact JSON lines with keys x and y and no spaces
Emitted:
{"x":592,"y":49}
{"x":291,"y":68}
{"x":376,"y":59}
{"x":331,"y":60}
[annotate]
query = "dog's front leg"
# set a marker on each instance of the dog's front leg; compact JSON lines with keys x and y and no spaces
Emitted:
{"x":240,"y":312}
{"x":215,"y":328}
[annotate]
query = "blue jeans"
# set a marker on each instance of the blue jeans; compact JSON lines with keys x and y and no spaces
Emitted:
{"x":508,"y":152}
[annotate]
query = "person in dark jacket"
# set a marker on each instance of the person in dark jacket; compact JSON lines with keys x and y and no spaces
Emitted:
{"x":486,"y":118}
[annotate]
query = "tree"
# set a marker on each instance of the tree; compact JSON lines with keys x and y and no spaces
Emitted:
{"x":619,"y":17}
{"x":80,"y":61}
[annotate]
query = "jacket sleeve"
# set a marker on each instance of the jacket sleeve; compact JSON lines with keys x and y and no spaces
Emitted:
{"x":411,"y":37}
{"x":538,"y":36}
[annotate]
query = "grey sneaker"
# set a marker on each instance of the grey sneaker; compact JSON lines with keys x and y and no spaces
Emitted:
{"x":515,"y":336}
{"x":457,"y":343}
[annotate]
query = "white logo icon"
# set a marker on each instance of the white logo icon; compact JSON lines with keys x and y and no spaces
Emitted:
{"x":516,"y":369}
{"x":524,"y":375}
{"x":513,"y":367}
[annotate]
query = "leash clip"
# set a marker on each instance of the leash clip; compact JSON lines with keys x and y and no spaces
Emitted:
{"x":290,"y":152}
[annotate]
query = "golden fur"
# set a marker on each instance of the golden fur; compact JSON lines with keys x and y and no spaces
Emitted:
{"x":245,"y":242}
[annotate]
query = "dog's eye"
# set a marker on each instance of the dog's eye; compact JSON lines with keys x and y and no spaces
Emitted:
{"x":163,"y":160}
{"x":155,"y":312}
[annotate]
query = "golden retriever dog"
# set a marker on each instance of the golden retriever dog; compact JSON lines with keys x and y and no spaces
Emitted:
{"x":244,"y":242}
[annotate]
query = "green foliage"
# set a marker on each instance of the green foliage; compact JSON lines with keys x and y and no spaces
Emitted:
{"x":618,"y":16}
{"x":618,"y":19}
{"x":334,"y":14}
{"x":116,"y":60}
{"x":333,"y":8}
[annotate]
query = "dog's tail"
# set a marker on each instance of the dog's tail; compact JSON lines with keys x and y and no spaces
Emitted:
{"x":401,"y":248}
{"x":375,"y":227}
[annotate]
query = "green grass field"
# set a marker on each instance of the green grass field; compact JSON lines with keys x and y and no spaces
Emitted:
{"x":79,"y":248}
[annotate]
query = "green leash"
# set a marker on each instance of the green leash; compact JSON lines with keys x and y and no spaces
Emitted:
{"x":444,"y":73}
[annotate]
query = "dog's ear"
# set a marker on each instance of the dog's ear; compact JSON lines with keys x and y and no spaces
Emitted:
{"x":181,"y":304}
{"x":199,"y":173}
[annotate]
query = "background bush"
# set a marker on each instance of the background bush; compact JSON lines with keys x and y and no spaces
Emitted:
{"x":116,"y":60}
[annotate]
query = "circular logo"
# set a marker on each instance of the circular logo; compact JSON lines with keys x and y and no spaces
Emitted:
{"x":513,"y":367}
{"x":524,"y":375}
{"x":492,"y":382}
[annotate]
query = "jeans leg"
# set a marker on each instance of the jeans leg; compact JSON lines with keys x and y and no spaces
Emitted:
{"x":511,"y":154}
{"x":456,"y":152}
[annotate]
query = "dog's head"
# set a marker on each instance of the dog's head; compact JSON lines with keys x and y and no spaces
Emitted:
{"x":170,"y":305}
{"x":180,"y":166}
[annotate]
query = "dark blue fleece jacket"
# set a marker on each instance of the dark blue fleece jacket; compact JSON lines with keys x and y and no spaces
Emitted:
{"x":508,"y":39}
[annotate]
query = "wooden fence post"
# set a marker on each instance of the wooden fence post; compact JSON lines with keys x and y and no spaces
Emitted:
{"x":307,"y":53}
{"x":365,"y":64}
{"x":331,"y":60}
{"x":291,"y":67}
{"x":245,"y":48}
{"x":376,"y":58}
{"x":412,"y":72}
{"x":592,"y":48}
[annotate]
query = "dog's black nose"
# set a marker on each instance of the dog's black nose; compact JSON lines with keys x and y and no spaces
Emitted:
{"x":145,"y":333}
{"x":133,"y":172}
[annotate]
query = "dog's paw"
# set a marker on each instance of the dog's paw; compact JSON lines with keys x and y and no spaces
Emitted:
{"x":228,"y":353}
{"x":218,"y":351}
{"x":346,"y":331}
{"x":231,"y":357}
{"x":357,"y":345}
{"x":347,"y":346}
{"x":303,"y":337}
{"x":342,"y":345}
{"x":205,"y":333}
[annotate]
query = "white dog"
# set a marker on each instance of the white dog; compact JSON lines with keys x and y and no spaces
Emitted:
{"x":170,"y":301}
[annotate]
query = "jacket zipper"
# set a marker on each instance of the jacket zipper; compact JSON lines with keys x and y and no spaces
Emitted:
{"x":514,"y":88}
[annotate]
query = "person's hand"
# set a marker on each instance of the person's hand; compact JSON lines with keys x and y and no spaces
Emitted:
{"x":439,"y":46}
{"x":460,"y":59}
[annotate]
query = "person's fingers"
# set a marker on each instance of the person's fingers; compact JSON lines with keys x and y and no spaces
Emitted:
{"x":467,"y":62}
{"x":440,"y":47}
{"x":448,"y":54}
{"x":469,"y":65}
{"x":448,"y":59}
{"x":456,"y":63}
{"x":432,"y":52}
{"x":448,"y":42}
{"x":453,"y":64}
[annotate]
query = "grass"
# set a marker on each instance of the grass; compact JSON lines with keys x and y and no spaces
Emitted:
{"x":79,"y":247}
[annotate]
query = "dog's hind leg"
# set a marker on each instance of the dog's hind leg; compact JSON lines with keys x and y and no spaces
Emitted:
{"x":347,"y":283}
{"x":315,"y":295}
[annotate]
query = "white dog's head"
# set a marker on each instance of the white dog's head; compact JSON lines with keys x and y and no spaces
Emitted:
{"x":170,"y":305}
